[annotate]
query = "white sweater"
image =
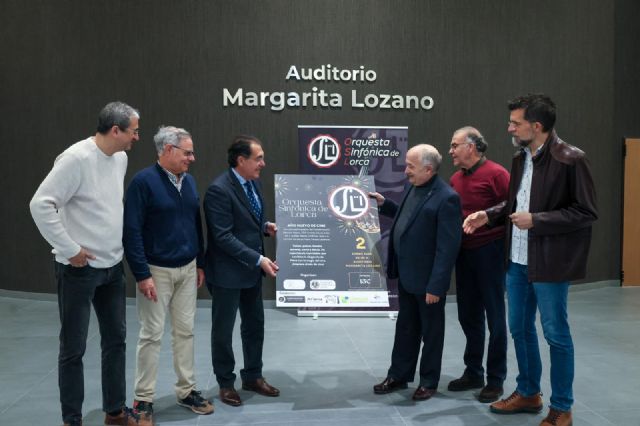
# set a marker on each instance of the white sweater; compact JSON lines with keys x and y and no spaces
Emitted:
{"x":79,"y":204}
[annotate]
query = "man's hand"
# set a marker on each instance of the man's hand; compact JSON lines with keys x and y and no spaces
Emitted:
{"x":148,"y":288}
{"x":475,"y":221}
{"x":200,"y":279}
{"x":271,"y":229}
{"x":522,"y":220}
{"x":269,"y":267}
{"x":378,"y":196}
{"x":82,"y":258}
{"x":431,"y":299}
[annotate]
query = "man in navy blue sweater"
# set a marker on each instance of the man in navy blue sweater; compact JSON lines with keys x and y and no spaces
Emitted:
{"x":164,"y":246}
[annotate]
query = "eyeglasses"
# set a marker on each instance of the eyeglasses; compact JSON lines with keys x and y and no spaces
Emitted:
{"x":186,"y":151}
{"x":456,"y":145}
{"x":134,"y":131}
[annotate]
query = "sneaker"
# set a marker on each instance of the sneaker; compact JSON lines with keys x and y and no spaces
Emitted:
{"x":517,"y":403}
{"x":144,"y":410}
{"x":126,"y":417}
{"x":466,"y":382}
{"x":490,"y":393}
{"x":196,"y":403}
{"x":557,"y":418}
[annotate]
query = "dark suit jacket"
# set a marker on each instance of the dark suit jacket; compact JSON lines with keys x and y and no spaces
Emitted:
{"x":235,"y":234}
{"x":430,"y":242}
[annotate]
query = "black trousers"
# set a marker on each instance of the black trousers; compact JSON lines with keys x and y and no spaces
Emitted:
{"x":226,"y":304}
{"x":78,"y":289}
{"x":418,"y":322}
{"x":480,"y":291}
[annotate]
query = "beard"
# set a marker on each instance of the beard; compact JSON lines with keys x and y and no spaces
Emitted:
{"x":520,"y":143}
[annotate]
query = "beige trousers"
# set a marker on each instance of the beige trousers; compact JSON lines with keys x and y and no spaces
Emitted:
{"x":177,"y":292}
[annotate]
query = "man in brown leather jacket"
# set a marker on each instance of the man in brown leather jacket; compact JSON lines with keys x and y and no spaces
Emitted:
{"x":550,"y":210}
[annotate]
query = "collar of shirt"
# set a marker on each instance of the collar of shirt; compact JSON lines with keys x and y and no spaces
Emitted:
{"x":473,"y":168}
{"x":242,"y":183}
{"x":176,"y":180}
{"x":240,"y":178}
{"x":526,"y":150}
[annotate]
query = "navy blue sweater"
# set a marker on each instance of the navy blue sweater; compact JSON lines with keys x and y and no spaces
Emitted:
{"x":162,"y":227}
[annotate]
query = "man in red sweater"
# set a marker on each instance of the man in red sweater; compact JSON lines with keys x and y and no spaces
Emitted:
{"x":481,"y":183}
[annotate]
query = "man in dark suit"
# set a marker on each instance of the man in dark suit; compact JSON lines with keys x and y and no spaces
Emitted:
{"x":235,"y":264}
{"x":423,"y":246}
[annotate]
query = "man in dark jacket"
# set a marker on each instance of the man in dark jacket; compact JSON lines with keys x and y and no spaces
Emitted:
{"x":423,"y":246}
{"x":551,"y":207}
{"x":235,"y":264}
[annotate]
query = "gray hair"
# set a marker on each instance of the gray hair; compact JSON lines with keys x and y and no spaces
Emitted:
{"x":429,"y":156}
{"x":169,"y":135}
{"x":473,"y":136}
{"x":116,"y":114}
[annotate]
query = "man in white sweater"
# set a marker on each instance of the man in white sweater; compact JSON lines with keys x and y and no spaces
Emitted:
{"x":78,"y":210}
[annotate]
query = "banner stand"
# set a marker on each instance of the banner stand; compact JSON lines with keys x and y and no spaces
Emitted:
{"x":363,"y":151}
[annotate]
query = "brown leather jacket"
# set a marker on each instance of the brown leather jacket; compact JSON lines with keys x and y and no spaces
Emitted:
{"x":563,"y":206}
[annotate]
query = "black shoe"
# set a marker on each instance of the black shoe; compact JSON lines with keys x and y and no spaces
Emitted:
{"x":466,"y":382}
{"x":388,"y":385}
{"x":490,"y":393}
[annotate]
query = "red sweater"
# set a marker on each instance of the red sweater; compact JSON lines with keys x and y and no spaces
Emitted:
{"x":486,"y":186}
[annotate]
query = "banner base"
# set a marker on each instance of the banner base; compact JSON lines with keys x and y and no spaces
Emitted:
{"x":392,"y":315}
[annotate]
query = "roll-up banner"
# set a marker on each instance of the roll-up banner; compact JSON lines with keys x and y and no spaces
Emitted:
{"x":366,"y":157}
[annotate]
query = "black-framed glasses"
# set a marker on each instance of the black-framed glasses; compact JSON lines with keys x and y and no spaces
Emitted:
{"x":187,"y":152}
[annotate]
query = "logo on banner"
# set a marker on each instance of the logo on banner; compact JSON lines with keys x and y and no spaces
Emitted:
{"x":324,"y":151}
{"x":348,"y":202}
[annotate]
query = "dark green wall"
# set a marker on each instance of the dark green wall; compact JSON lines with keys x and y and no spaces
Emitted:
{"x":62,"y":61}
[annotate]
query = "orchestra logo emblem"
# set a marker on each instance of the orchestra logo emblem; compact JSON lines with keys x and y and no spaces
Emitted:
{"x":323,"y":151}
{"x":348,"y":202}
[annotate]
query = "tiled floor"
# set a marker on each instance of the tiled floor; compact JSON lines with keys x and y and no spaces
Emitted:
{"x":325,"y":369}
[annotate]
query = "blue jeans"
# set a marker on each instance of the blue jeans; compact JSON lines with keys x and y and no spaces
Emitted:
{"x":550,"y":298}
{"x":78,"y":289}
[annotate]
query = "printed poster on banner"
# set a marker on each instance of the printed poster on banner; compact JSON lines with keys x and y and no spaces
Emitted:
{"x":328,"y":242}
{"x":376,"y":151}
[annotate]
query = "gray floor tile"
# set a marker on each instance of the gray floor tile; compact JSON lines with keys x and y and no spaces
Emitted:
{"x":325,"y":369}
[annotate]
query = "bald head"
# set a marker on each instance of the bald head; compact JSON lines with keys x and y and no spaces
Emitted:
{"x":423,"y":162}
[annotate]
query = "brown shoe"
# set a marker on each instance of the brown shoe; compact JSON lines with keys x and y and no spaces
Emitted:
{"x":517,"y":403}
{"x":557,"y":418}
{"x":423,"y":393}
{"x":388,"y":385}
{"x":490,"y":393}
{"x":126,"y":417}
{"x":230,"y":397}
{"x":262,"y":387}
{"x":74,"y":423}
